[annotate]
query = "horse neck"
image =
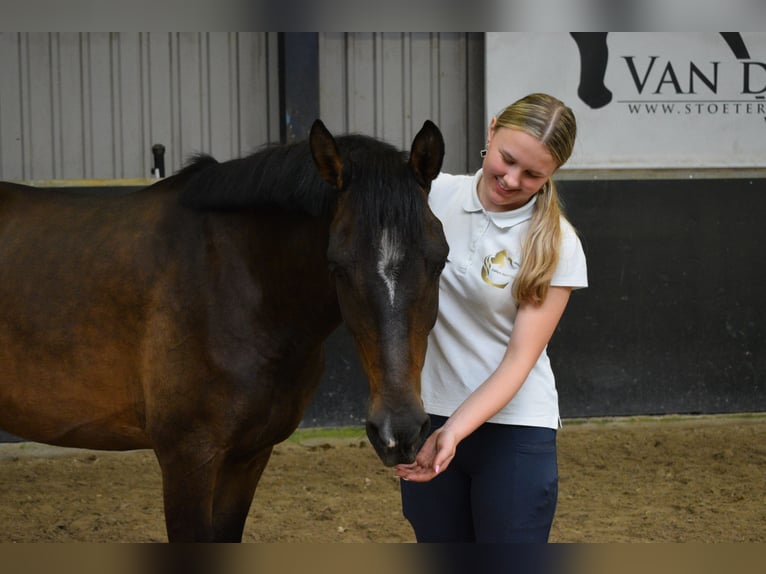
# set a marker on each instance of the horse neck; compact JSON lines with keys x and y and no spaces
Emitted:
{"x":283,"y":255}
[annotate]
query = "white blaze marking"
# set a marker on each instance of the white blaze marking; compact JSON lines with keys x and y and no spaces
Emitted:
{"x":389,"y":258}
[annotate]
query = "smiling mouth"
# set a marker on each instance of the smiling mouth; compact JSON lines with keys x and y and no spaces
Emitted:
{"x":500,"y":186}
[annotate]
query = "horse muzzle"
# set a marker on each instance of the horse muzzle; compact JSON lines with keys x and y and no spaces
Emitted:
{"x":397,"y":441}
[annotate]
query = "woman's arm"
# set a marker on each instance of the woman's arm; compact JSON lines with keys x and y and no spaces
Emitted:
{"x":533,"y":328}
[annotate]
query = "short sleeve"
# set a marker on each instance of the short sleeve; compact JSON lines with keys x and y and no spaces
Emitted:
{"x":572,"y":269}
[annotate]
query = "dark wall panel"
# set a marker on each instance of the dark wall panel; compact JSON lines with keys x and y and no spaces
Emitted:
{"x":674,"y":319}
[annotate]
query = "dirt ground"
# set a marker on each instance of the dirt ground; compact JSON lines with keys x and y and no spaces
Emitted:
{"x":669,"y":479}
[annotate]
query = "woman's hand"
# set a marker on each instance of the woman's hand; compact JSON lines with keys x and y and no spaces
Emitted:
{"x":434,"y":456}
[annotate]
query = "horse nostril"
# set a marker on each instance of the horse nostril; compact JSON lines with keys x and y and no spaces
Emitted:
{"x":381,"y":434}
{"x":376,"y":434}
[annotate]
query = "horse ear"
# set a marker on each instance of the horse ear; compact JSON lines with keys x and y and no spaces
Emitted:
{"x":427,"y":153}
{"x":326,"y":155}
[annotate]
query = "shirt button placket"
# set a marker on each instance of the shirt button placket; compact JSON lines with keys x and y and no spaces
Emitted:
{"x":476,"y":237}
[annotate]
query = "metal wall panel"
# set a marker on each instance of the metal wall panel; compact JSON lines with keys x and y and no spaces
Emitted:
{"x":11,"y":150}
{"x":91,"y":105}
{"x":388,"y":84}
{"x":80,"y":106}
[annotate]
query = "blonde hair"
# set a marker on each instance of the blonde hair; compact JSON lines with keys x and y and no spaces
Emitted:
{"x":553,"y":124}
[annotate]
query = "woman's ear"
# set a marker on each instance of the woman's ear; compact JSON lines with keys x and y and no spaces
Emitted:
{"x":491,"y":129}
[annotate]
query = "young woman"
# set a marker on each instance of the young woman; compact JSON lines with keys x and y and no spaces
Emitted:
{"x":488,"y":472}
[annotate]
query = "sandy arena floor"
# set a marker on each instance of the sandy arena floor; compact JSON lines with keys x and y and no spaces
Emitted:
{"x":670,"y":479}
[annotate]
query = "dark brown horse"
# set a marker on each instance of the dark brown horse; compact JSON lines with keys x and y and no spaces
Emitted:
{"x":189,"y":317}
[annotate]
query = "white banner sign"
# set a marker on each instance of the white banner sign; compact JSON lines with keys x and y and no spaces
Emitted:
{"x":685,"y":100}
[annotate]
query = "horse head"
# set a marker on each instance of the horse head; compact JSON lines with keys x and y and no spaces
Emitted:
{"x":386,"y":252}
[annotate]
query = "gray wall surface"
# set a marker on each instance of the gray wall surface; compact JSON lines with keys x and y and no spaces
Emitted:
{"x":388,"y":84}
{"x":91,"y":105}
{"x":84,"y":106}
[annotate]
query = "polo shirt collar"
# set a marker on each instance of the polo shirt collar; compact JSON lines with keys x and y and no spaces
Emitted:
{"x":502,"y":219}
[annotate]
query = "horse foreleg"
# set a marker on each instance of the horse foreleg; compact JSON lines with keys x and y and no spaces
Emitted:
{"x":207,"y":500}
{"x":188,"y":492}
{"x":234,"y":491}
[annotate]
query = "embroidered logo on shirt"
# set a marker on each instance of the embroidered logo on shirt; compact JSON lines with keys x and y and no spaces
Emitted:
{"x":496,"y":270}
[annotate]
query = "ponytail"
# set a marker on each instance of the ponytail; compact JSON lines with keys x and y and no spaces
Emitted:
{"x":540,"y":253}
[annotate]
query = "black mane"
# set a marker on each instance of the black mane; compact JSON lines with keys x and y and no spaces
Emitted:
{"x":280,"y":175}
{"x":286,"y":176}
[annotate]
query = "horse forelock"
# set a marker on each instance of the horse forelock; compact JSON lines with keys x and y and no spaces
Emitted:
{"x":382,"y":190}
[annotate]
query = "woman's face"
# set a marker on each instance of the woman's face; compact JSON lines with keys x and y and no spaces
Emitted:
{"x":515,"y":168}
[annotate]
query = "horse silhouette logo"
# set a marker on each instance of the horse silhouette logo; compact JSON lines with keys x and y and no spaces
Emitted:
{"x":594,"y":57}
{"x":496,"y":270}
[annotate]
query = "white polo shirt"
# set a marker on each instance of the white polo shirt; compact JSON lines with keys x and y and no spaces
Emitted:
{"x":476,"y":308}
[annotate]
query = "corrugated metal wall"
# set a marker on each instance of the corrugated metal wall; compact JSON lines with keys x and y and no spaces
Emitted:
{"x":91,"y":105}
{"x":388,"y":84}
{"x":82,"y":106}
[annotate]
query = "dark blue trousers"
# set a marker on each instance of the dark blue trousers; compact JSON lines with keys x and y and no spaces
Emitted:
{"x":501,"y":487}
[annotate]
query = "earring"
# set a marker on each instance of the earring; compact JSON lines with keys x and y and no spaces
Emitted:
{"x":483,"y":153}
